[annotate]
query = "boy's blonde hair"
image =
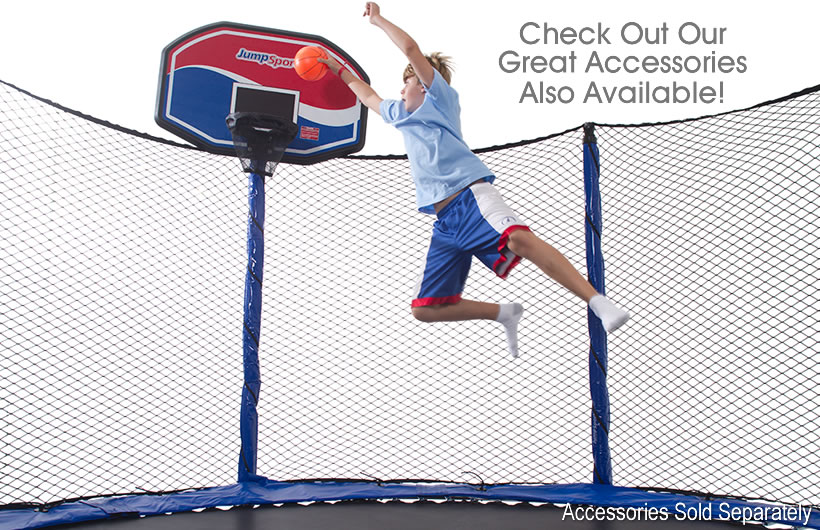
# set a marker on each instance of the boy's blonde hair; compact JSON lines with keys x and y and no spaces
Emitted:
{"x":439,"y":61}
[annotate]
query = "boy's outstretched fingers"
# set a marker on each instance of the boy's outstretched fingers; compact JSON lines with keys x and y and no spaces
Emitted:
{"x":331,"y":63}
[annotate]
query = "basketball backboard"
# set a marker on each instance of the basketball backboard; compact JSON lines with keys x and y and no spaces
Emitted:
{"x":226,"y":67}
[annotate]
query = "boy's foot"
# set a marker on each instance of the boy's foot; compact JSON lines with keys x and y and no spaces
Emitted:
{"x":509,"y":315}
{"x":612,"y":316}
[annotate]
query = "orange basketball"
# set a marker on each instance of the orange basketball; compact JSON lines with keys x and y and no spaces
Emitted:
{"x":306,"y":64}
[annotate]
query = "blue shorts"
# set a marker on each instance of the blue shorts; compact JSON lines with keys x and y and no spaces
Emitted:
{"x":476,"y":223}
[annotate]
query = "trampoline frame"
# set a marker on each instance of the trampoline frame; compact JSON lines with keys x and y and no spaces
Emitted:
{"x":651,"y":505}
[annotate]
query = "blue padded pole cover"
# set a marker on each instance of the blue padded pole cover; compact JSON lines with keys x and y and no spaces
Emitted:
{"x":602,"y":471}
{"x":249,"y":424}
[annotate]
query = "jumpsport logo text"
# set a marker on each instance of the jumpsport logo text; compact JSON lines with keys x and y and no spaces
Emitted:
{"x":270,"y":59}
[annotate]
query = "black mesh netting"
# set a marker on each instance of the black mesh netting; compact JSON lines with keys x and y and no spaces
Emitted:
{"x":711,"y":235}
{"x":123,"y":262}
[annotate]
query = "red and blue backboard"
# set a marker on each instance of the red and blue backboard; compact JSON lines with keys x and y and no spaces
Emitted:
{"x":226,"y":67}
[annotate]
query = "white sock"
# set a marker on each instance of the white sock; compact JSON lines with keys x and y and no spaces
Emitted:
{"x":509,"y":315}
{"x":611,"y":315}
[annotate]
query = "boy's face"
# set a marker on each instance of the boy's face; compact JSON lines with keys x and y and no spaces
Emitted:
{"x":412,"y":94}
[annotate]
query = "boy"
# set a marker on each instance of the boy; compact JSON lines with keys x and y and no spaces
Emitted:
{"x":452,"y":182}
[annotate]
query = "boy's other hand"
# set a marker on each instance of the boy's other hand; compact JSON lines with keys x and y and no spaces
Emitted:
{"x":372,"y":10}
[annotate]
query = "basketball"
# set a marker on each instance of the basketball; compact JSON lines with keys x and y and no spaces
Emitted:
{"x":306,"y":64}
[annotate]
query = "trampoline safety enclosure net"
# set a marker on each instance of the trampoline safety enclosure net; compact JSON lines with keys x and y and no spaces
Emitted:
{"x":121,"y":314}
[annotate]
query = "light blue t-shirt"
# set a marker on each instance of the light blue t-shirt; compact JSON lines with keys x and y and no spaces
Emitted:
{"x":440,"y":161}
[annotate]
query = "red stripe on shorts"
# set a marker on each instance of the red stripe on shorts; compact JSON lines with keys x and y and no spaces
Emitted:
{"x":502,"y":244}
{"x":419,"y":302}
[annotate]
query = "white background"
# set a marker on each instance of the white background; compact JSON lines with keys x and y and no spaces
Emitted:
{"x":102,"y":58}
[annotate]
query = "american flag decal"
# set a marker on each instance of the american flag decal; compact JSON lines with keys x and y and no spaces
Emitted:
{"x":309,"y":133}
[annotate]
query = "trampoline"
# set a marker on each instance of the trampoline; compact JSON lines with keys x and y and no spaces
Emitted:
{"x":394,"y":514}
{"x":126,"y":391}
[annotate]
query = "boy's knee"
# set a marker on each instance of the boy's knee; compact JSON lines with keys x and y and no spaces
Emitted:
{"x":520,"y":242}
{"x":423,"y":313}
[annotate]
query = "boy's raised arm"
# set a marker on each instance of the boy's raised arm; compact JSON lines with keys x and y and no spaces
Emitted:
{"x":363,"y":91}
{"x":408,"y":46}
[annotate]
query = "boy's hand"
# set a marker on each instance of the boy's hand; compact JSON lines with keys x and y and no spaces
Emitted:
{"x":331,"y":63}
{"x":371,"y":9}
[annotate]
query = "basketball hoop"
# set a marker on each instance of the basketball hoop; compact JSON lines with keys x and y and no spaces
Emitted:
{"x":260,"y":139}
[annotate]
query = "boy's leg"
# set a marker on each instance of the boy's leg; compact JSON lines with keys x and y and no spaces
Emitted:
{"x":527,"y":245}
{"x":507,"y":314}
{"x":437,"y":296}
{"x":462,"y":310}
